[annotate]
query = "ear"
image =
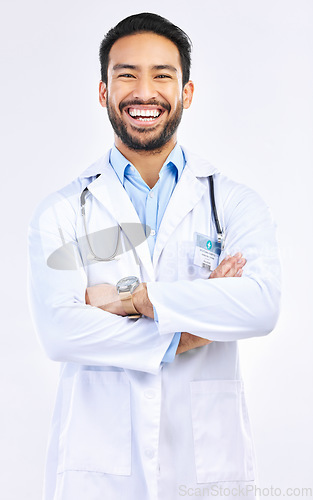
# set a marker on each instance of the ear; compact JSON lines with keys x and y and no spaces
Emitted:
{"x":188,"y":94}
{"x":103,"y":94}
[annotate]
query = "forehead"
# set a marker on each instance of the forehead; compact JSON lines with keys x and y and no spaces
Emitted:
{"x":144,"y":49}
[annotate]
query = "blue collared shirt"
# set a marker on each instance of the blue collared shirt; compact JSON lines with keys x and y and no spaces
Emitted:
{"x":150,"y":204}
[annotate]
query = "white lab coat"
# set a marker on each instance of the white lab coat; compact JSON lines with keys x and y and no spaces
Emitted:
{"x":125,"y":425}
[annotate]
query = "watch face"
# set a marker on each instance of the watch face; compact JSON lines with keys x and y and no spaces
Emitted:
{"x":126,"y":284}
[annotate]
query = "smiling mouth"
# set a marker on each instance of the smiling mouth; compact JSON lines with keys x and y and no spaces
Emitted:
{"x":144,"y":115}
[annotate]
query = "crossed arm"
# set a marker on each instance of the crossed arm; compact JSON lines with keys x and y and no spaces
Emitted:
{"x":106,"y":297}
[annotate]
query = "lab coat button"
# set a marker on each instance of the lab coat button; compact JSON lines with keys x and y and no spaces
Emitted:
{"x":149,"y":394}
{"x":149,"y":453}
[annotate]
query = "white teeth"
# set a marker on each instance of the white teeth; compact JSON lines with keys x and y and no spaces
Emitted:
{"x":154,"y":113}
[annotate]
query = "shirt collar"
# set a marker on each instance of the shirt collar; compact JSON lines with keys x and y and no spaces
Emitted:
{"x":119,"y":163}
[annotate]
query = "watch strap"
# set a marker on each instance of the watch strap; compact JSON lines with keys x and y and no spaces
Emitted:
{"x":128,"y":305}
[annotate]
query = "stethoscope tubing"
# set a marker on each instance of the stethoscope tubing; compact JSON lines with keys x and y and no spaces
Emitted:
{"x":219,"y":230}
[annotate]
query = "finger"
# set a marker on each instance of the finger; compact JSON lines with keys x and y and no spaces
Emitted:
{"x":233,"y":268}
{"x":229,"y":266}
{"x":236,"y":266}
{"x":237,"y":263}
{"x":222,"y":269}
{"x":241,"y":262}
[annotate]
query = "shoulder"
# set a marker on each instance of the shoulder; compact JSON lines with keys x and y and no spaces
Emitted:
{"x":241,"y":205}
{"x":200,"y":167}
{"x":229,"y":193}
{"x":237,"y":196}
{"x":233,"y":190}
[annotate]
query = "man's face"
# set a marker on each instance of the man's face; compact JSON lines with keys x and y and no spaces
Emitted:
{"x":144,"y":95}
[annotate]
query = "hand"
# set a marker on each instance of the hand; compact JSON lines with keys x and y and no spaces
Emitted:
{"x":189,"y":341}
{"x":230,"y":267}
{"x":142,"y":302}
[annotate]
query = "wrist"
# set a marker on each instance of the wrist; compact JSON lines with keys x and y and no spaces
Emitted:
{"x":125,"y":288}
{"x":142,"y":302}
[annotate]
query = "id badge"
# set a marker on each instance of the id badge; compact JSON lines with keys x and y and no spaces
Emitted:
{"x":207,"y":252}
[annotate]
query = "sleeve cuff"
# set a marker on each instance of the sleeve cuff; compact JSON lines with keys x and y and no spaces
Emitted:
{"x":169,"y":356}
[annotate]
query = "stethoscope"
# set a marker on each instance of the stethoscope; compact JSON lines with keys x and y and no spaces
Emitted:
{"x":83,"y":212}
{"x":219,"y":230}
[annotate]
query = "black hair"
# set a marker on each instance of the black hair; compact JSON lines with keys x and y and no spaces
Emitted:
{"x":147,"y":22}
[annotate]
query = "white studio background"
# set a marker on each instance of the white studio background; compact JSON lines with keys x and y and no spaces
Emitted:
{"x":252,"y":116}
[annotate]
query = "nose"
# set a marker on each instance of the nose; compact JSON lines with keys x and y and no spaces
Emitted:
{"x":145,"y":89}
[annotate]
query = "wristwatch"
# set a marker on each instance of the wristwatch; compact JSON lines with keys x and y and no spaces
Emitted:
{"x":125,"y":287}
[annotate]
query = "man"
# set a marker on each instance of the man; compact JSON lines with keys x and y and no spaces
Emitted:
{"x":138,"y":285}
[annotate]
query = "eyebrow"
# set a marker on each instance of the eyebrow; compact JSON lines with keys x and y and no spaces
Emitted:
{"x":165,"y":66}
{"x":136,"y":68}
{"x":124,"y":66}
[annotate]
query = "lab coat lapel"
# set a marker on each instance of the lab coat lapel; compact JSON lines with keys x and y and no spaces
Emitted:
{"x":109,"y":191}
{"x":188,"y":191}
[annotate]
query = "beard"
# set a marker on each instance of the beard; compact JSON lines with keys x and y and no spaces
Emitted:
{"x":144,"y":143}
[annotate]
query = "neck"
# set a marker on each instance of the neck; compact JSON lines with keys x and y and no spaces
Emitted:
{"x":148,"y":163}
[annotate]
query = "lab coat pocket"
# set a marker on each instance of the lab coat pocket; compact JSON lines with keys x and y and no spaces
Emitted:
{"x":96,"y":423}
{"x":222,"y":438}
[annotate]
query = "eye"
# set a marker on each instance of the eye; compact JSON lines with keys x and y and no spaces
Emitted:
{"x":163,"y":76}
{"x":126,"y":75}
